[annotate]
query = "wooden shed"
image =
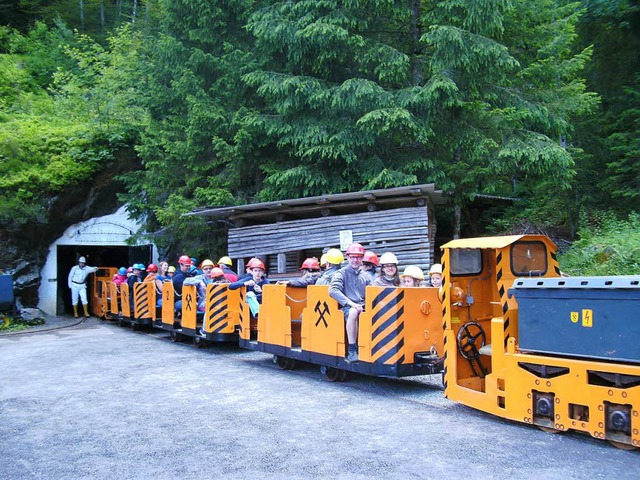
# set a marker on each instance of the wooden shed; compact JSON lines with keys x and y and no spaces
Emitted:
{"x":283,"y":233}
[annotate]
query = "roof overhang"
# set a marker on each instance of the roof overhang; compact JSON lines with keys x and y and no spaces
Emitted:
{"x":329,"y":204}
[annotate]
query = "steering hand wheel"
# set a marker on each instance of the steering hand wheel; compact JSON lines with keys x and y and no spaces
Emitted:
{"x":468,"y":337}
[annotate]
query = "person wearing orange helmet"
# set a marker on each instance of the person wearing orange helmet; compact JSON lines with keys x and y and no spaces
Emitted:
{"x":310,"y":273}
{"x":370,"y":263}
{"x":348,"y":288}
{"x":253,"y":284}
{"x":206,"y":278}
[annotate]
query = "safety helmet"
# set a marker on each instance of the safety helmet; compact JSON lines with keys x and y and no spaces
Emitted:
{"x":184,"y":260}
{"x":138,"y":266}
{"x":82,"y":260}
{"x":250,"y":262}
{"x":153,"y":268}
{"x":310,"y":264}
{"x":335,"y":256}
{"x":355,"y":249}
{"x":413,"y":271}
{"x":225,"y":261}
{"x":371,"y":257}
{"x":323,"y":260}
{"x":207,"y":263}
{"x":388,"y":258}
{"x":122,"y":271}
{"x":435,"y":268}
{"x":216,"y":272}
{"x":257,"y":263}
{"x":172,"y":269}
{"x":194,"y":261}
{"x":130,"y":269}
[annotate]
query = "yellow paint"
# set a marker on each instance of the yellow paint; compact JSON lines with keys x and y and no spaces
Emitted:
{"x":587,"y":318}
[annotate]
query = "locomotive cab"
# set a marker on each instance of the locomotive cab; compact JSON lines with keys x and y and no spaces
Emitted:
{"x":527,"y":345}
{"x":479,"y":317}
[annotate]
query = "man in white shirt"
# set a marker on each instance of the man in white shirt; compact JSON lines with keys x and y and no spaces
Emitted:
{"x":78,"y":285}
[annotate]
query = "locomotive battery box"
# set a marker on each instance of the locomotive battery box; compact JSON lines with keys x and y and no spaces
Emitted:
{"x":588,"y":317}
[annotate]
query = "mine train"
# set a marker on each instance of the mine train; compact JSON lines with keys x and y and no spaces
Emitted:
{"x":508,"y":333}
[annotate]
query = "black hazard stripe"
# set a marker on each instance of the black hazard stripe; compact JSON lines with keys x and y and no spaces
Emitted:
{"x":385,"y":315}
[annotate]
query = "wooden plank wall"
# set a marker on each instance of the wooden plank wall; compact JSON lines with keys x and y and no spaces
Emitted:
{"x":404,"y":231}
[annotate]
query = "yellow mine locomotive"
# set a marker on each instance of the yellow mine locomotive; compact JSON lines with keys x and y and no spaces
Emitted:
{"x":526,"y":344}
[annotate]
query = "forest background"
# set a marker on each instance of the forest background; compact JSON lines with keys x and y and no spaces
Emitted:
{"x":193,"y":103}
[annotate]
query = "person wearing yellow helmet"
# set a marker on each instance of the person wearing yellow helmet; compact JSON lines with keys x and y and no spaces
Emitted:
{"x":435,"y":275}
{"x":225,"y":264}
{"x":388,"y":276}
{"x":334,"y":259}
{"x":171,"y":271}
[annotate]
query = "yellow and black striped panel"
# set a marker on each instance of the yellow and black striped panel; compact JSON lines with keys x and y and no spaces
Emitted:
{"x":217,"y":318}
{"x":554,"y":263}
{"x":141,"y":300}
{"x":502,"y":266}
{"x":387,"y":332}
{"x":444,"y":261}
{"x":242,"y":310}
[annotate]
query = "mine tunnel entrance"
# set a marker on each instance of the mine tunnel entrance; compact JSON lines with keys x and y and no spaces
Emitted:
{"x":97,"y":256}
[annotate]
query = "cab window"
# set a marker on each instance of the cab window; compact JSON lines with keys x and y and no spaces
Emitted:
{"x":528,"y":259}
{"x":465,"y":262}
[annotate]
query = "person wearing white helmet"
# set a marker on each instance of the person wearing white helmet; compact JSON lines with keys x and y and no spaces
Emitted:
{"x":77,"y":282}
{"x":412,"y":276}
{"x":435,"y":275}
{"x":388,"y":276}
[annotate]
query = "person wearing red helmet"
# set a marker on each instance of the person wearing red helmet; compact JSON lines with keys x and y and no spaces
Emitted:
{"x":253,"y":284}
{"x":348,"y":288}
{"x":310,"y":274}
{"x":178,"y":279}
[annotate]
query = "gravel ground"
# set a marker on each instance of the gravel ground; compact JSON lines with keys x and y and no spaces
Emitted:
{"x":97,"y":401}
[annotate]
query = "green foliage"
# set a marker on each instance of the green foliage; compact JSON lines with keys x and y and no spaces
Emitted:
{"x":52,"y":140}
{"x":608,"y":246}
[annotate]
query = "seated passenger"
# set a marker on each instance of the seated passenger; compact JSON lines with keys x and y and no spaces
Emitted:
{"x":225,"y":264}
{"x":412,"y":276}
{"x":370,"y":263}
{"x":171,"y":271}
{"x":388,"y":276}
{"x":435,"y":275}
{"x":348,"y":289}
{"x":310,"y":273}
{"x":178,"y":279}
{"x":334,"y":260}
{"x":253,"y":285}
{"x":120,"y":277}
{"x":201,"y":281}
{"x":135,"y":277}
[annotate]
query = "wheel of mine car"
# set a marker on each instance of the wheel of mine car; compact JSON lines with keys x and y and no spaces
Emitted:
{"x":471,"y":338}
{"x":175,"y":336}
{"x":135,"y":327}
{"x":200,"y":342}
{"x":333,"y":374}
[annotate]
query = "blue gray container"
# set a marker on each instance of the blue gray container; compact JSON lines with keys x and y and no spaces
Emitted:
{"x":6,"y":293}
{"x":590,"y":317}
